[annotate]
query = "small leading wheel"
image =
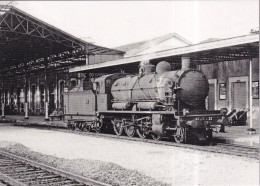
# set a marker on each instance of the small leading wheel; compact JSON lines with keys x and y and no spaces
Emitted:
{"x":180,"y":135}
{"x":118,"y":126}
{"x":141,"y":133}
{"x":156,"y":137}
{"x":130,"y":131}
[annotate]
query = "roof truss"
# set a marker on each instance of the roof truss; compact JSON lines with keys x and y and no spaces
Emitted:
{"x":27,"y":43}
{"x":12,"y":20}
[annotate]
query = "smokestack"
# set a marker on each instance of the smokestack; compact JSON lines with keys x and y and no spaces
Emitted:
{"x":185,"y":63}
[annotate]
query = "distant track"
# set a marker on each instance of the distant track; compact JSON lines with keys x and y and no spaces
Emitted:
{"x":215,"y":147}
{"x":19,"y":171}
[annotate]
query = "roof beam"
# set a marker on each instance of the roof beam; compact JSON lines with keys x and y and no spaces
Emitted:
{"x":187,"y":50}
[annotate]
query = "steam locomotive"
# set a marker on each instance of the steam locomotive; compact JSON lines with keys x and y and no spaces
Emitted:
{"x":157,"y":102}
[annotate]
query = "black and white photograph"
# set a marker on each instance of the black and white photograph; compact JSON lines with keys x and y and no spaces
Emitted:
{"x":129,"y":93}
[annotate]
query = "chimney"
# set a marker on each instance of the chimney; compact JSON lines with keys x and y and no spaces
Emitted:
{"x":185,"y":63}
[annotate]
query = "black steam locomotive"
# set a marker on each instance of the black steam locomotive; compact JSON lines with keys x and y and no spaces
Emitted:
{"x":158,"y":102}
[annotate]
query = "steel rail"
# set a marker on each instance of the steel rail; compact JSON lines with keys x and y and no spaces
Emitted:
{"x":42,"y":168}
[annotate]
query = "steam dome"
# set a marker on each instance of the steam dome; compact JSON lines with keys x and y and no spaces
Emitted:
{"x":163,"y":66}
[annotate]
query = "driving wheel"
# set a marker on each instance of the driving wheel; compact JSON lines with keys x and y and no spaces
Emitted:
{"x":130,"y":131}
{"x":118,"y":126}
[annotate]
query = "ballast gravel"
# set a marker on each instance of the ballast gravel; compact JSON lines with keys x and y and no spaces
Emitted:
{"x":109,"y":173}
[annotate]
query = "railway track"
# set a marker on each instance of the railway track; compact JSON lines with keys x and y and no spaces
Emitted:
{"x":215,"y":147}
{"x":18,"y":171}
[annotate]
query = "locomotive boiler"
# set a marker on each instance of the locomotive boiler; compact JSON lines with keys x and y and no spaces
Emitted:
{"x":161,"y":88}
{"x":157,"y":102}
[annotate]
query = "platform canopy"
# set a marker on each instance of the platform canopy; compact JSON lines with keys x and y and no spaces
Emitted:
{"x":220,"y":50}
{"x":29,"y":43}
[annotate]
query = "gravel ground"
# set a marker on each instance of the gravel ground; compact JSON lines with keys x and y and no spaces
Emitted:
{"x":165,"y":164}
{"x":105,"y":172}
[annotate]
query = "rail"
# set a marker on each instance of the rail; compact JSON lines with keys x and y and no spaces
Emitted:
{"x":19,"y":171}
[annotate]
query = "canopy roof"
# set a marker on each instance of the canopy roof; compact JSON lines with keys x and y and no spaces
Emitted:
{"x":236,"y":48}
{"x":28,"y":41}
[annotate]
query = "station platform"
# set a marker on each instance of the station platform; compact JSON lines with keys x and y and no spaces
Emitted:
{"x":239,"y":135}
{"x":33,"y":120}
{"x":234,"y":135}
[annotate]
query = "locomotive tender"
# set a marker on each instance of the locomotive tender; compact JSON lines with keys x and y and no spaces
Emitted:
{"x":156,"y":102}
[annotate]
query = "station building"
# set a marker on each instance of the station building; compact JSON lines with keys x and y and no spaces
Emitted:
{"x":40,"y":62}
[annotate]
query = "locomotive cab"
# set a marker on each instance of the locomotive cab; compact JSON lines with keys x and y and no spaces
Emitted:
{"x":102,"y":88}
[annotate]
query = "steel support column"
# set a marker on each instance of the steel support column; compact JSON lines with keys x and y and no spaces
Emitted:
{"x":46,"y":92}
{"x":26,"y":105}
{"x":3,"y":98}
{"x":87,"y":54}
{"x":251,"y":130}
{"x":57,"y":91}
{"x":250,"y":94}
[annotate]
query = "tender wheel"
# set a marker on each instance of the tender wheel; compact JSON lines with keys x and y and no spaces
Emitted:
{"x":141,"y":133}
{"x":98,"y":125}
{"x":80,"y":126}
{"x":180,"y":135}
{"x":118,"y":126}
{"x":130,"y":131}
{"x":83,"y":126}
{"x":156,"y":137}
{"x":71,"y":126}
{"x":88,"y":128}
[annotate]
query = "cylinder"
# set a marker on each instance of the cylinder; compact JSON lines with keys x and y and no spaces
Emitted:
{"x":185,"y":63}
{"x":158,"y":126}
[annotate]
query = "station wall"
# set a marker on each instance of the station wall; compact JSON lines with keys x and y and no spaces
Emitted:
{"x":229,"y":85}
